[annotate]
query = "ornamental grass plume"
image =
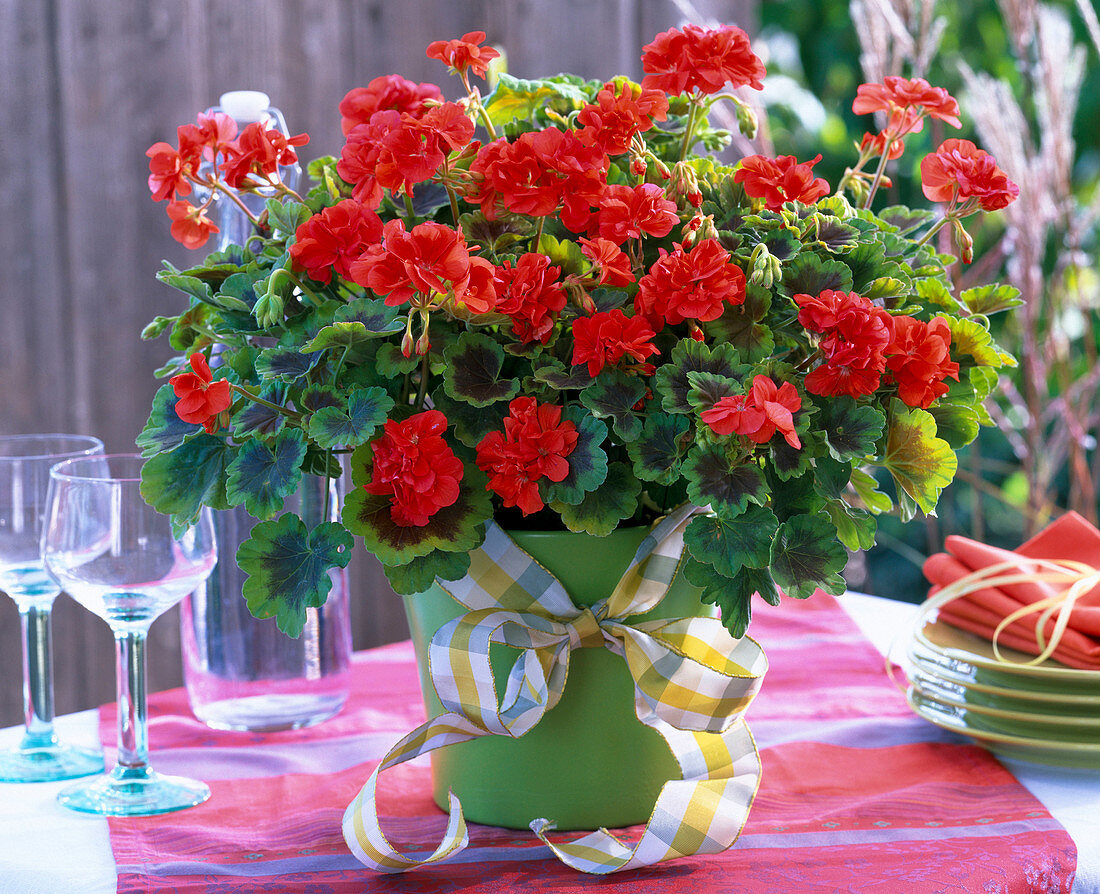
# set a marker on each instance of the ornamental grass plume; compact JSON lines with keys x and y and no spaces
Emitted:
{"x":542,"y":306}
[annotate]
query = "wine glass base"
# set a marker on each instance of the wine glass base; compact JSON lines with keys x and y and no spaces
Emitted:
{"x":48,"y":763}
{"x":134,"y":793}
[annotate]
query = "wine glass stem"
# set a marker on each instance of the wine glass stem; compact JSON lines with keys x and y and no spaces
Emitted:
{"x":37,"y":677}
{"x":133,"y":729}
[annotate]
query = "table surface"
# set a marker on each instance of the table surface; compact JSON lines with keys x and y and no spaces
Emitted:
{"x":45,"y":849}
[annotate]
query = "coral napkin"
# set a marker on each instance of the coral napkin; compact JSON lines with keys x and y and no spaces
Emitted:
{"x":1070,"y":537}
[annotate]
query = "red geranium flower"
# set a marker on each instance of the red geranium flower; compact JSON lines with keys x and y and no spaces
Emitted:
{"x":167,"y":172}
{"x":207,"y":137}
{"x":690,"y":285}
{"x":334,"y":238}
{"x":626,"y":212}
{"x":897,"y":95}
{"x":201,"y":399}
{"x":919,"y":359}
{"x":779,"y":180}
{"x":615,"y":117}
{"x":258,"y":151}
{"x":609,"y":336}
{"x":693,"y":58}
{"x":960,"y":170}
{"x":873,"y":145}
{"x":530,"y":294}
{"x":415,"y":468}
{"x":190,"y":225}
{"x":430,"y":261}
{"x":539,"y":172}
{"x":464,"y":54}
{"x":533,"y":446}
{"x":388,"y":92}
{"x":611,"y":263}
{"x":855,"y":334}
{"x":766,"y":409}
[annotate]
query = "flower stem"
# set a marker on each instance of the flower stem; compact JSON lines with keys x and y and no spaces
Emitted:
{"x":410,"y":213}
{"x":290,"y":414}
{"x":423,"y":392}
{"x":232,"y":194}
{"x":689,"y":130}
{"x":313,"y":296}
{"x":878,"y":173}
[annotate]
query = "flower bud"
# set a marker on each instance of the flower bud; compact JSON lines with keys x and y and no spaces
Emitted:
{"x":746,"y":120}
{"x":683,"y":185}
{"x":964,"y":242}
{"x":268,"y":310}
{"x":638,"y":166}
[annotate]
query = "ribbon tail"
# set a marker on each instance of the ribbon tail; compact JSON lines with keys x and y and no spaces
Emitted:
{"x":362,"y":830}
{"x":700,"y":814}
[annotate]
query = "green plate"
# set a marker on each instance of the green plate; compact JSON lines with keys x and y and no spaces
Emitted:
{"x":1036,"y":749}
{"x":1002,"y":716}
{"x":968,"y":648}
{"x":1024,"y":689}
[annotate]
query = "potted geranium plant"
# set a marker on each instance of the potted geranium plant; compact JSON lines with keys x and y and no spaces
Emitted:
{"x":578,"y":322}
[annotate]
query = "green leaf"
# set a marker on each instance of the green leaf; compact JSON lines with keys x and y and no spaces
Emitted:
{"x":392,"y":363}
{"x":189,"y":285}
{"x":854,"y":527}
{"x":164,"y":430}
{"x":707,"y":389}
{"x":285,"y":364}
{"x":905,"y":220}
{"x":344,"y":336}
{"x":472,"y":371}
{"x":262,"y":477}
{"x":376,"y":316}
{"x":728,"y":487}
{"x":286,"y":216}
{"x":564,"y":253}
{"x":180,"y":482}
{"x":518,"y":98}
{"x":851,"y":431}
{"x":808,"y":274}
{"x":419,"y":574}
{"x":866,"y":487}
{"x":922,"y":464}
{"x":740,"y":325}
{"x":732,"y":596}
{"x":805,"y":556}
{"x":935,"y":291}
{"x":730,"y":544}
{"x":257,"y":419}
{"x":470,"y":423}
{"x":587,"y":461}
{"x":991,"y":299}
{"x":553,"y":372}
{"x":350,"y":426}
{"x":614,"y":395}
{"x":656,"y":454}
{"x":455,"y":528}
{"x":673,"y":382}
{"x":956,"y":424}
{"x":601,"y":510}
{"x":288,"y":568}
{"x":789,"y":462}
{"x":794,"y":496}
{"x":831,"y":477}
{"x":971,"y":338}
{"x":830,"y":233}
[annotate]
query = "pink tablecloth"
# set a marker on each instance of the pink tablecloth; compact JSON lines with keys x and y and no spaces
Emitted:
{"x":858,"y":795}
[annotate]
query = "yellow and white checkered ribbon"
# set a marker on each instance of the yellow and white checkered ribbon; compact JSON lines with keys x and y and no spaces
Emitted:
{"x":693,"y":683}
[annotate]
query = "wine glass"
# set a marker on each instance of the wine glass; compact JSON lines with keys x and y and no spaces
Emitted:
{"x":25,"y":462}
{"x":119,"y":558}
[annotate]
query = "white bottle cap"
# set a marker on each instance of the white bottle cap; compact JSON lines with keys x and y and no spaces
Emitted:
{"x":245,"y":106}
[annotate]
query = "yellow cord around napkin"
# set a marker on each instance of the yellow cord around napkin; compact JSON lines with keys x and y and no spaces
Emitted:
{"x":1078,"y":579}
{"x":693,"y":683}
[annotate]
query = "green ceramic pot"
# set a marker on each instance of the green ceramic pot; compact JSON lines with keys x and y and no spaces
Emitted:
{"x":589,"y":763}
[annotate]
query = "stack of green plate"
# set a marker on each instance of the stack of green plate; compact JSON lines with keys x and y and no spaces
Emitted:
{"x":1046,"y":713}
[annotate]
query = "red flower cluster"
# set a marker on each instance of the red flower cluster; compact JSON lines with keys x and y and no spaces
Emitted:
{"x":613,"y":120}
{"x":429,"y":261}
{"x":201,"y":399}
{"x":396,"y":151}
{"x":258,"y":151}
{"x":464,"y":54}
{"x":906,"y":102}
{"x":539,"y":172}
{"x":415,"y":468}
{"x":626,"y":212}
{"x":758,"y":415}
{"x":920,"y":359}
{"x":190,"y":225}
{"x":611,"y":263}
{"x":388,"y":92}
{"x":693,"y":58}
{"x":695,"y":285}
{"x":533,"y":446}
{"x":530,"y":294}
{"x":855,"y":335}
{"x":960,"y":170}
{"x":779,"y":180}
{"x":605,"y":338}
{"x":331,"y":240}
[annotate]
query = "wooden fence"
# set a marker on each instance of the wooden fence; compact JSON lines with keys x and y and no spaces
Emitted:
{"x":86,"y":86}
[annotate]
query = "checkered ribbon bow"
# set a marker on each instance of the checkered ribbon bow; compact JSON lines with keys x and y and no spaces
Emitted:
{"x":693,"y":683}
